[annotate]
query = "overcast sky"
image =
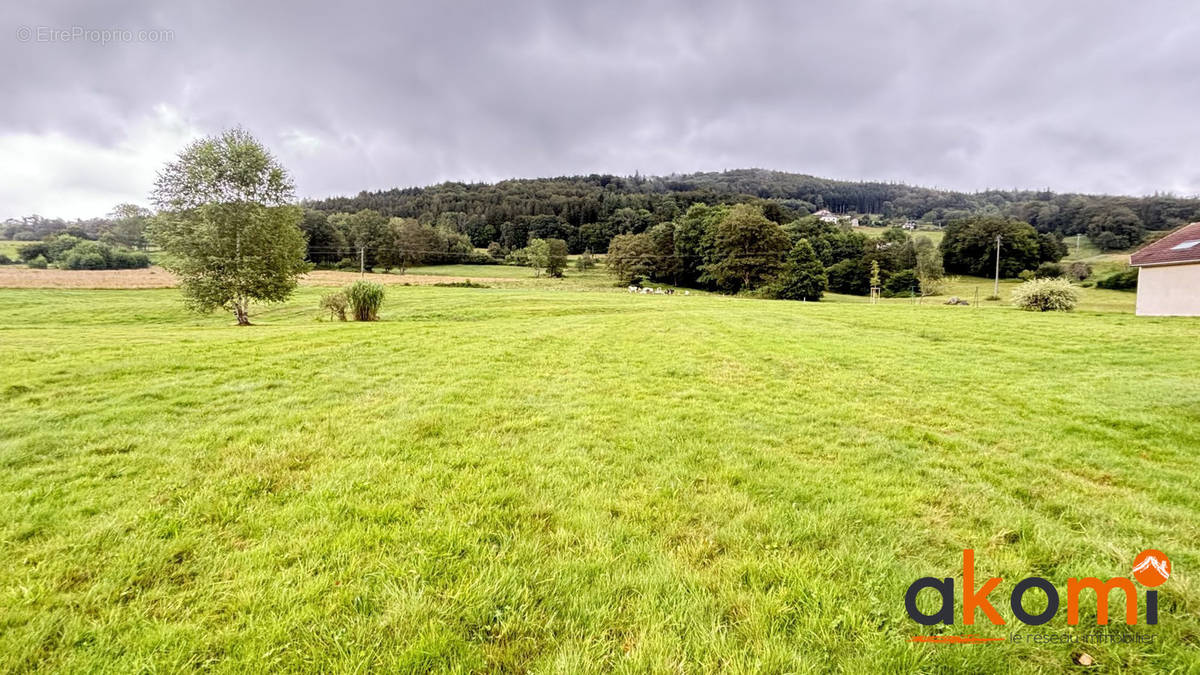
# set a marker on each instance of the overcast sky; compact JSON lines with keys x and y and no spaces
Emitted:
{"x":1077,"y":96}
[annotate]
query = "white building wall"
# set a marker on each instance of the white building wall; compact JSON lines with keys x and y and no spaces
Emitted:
{"x":1169,"y":290}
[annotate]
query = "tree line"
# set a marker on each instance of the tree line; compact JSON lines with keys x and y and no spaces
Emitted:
{"x":589,"y":211}
{"x":739,"y":248}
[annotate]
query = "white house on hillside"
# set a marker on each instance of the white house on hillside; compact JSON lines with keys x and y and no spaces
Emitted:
{"x":826,"y":216}
{"x":1169,"y":274}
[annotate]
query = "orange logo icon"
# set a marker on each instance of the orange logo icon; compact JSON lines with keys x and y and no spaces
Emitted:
{"x":1151,"y":567}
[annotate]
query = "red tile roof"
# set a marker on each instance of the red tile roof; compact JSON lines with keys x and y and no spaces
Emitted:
{"x":1165,"y":251}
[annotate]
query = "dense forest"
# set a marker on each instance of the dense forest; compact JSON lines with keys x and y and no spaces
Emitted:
{"x":588,"y":211}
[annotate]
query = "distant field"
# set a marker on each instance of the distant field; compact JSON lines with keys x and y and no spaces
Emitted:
{"x":521,"y":479}
{"x":1103,"y":264}
{"x":156,"y":277}
{"x":9,"y":247}
{"x":933,"y":235}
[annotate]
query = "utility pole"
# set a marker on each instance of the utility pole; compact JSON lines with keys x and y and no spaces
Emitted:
{"x":1078,"y":242}
{"x":996,"y":290}
{"x":362,"y":261}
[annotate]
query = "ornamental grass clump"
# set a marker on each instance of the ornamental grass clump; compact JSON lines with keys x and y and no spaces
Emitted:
{"x":365,"y":300}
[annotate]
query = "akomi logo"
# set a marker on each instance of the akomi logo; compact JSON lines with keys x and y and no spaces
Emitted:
{"x":1150,"y":568}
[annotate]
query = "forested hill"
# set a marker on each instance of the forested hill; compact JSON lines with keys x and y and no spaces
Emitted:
{"x":579,"y":201}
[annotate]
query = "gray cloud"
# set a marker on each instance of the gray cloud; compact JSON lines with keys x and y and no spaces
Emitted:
{"x":1075,"y":96}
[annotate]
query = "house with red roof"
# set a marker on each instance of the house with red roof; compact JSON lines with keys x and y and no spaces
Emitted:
{"x":1169,"y":274}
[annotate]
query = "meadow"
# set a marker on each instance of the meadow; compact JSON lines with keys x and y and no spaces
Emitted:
{"x":521,"y":479}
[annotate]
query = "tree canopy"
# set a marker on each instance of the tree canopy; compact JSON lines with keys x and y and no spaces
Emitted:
{"x":227,"y":226}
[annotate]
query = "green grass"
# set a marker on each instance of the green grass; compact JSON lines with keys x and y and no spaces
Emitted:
{"x":1103,"y":264}
{"x":9,"y":247}
{"x":934,"y":236}
{"x":515,"y":479}
{"x":511,"y":276}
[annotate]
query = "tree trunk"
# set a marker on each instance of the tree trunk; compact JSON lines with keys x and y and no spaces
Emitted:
{"x":241,"y":312}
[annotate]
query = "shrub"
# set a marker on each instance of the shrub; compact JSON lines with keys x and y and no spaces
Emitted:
{"x":586,"y":261}
{"x":336,"y":304}
{"x":496,"y":251}
{"x":122,"y":259}
{"x":1048,"y":270}
{"x":5,"y":260}
{"x":1120,"y":281}
{"x":38,"y":263}
{"x":1079,"y":270}
{"x":1046,"y":295}
{"x":518,"y":258}
{"x":83,"y":261}
{"x":1027,"y":275}
{"x":365,"y":299}
{"x":30,"y":252}
{"x":73,"y":253}
{"x":347,"y":265}
{"x":461,"y":284}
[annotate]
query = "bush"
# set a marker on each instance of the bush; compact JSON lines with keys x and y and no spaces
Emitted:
{"x":83,"y":261}
{"x":73,"y":253}
{"x":586,"y":261}
{"x":1079,"y":270}
{"x":461,"y":284}
{"x":5,"y":260}
{"x":1046,"y":295}
{"x":30,"y":252}
{"x":122,"y":259}
{"x":1048,"y":270}
{"x":347,"y":265}
{"x":1027,"y":275}
{"x":365,"y":299}
{"x":1120,"y":281}
{"x":336,"y":304}
{"x":38,"y":263}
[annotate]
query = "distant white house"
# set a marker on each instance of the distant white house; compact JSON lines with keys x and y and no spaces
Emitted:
{"x":826,"y":216}
{"x":909,"y":225}
{"x":1169,"y":274}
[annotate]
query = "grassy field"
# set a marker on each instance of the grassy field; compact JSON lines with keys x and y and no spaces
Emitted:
{"x":9,"y":247}
{"x":933,"y":235}
{"x":1103,"y":264}
{"x":513,"y":479}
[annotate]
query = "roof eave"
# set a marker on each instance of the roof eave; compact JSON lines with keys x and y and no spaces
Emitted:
{"x":1165,"y":263}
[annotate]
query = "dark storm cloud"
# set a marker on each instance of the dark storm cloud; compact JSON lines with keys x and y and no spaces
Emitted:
{"x":1089,"y":96}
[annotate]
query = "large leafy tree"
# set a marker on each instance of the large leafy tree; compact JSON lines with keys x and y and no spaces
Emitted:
{"x":969,"y":246}
{"x":556,"y":257}
{"x":366,"y":233}
{"x":1113,"y":228}
{"x":326,"y":243}
{"x":411,"y":244}
{"x":228,"y":226}
{"x":744,"y":249}
{"x":630,"y":258}
{"x":128,"y":228}
{"x":803,"y":275}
